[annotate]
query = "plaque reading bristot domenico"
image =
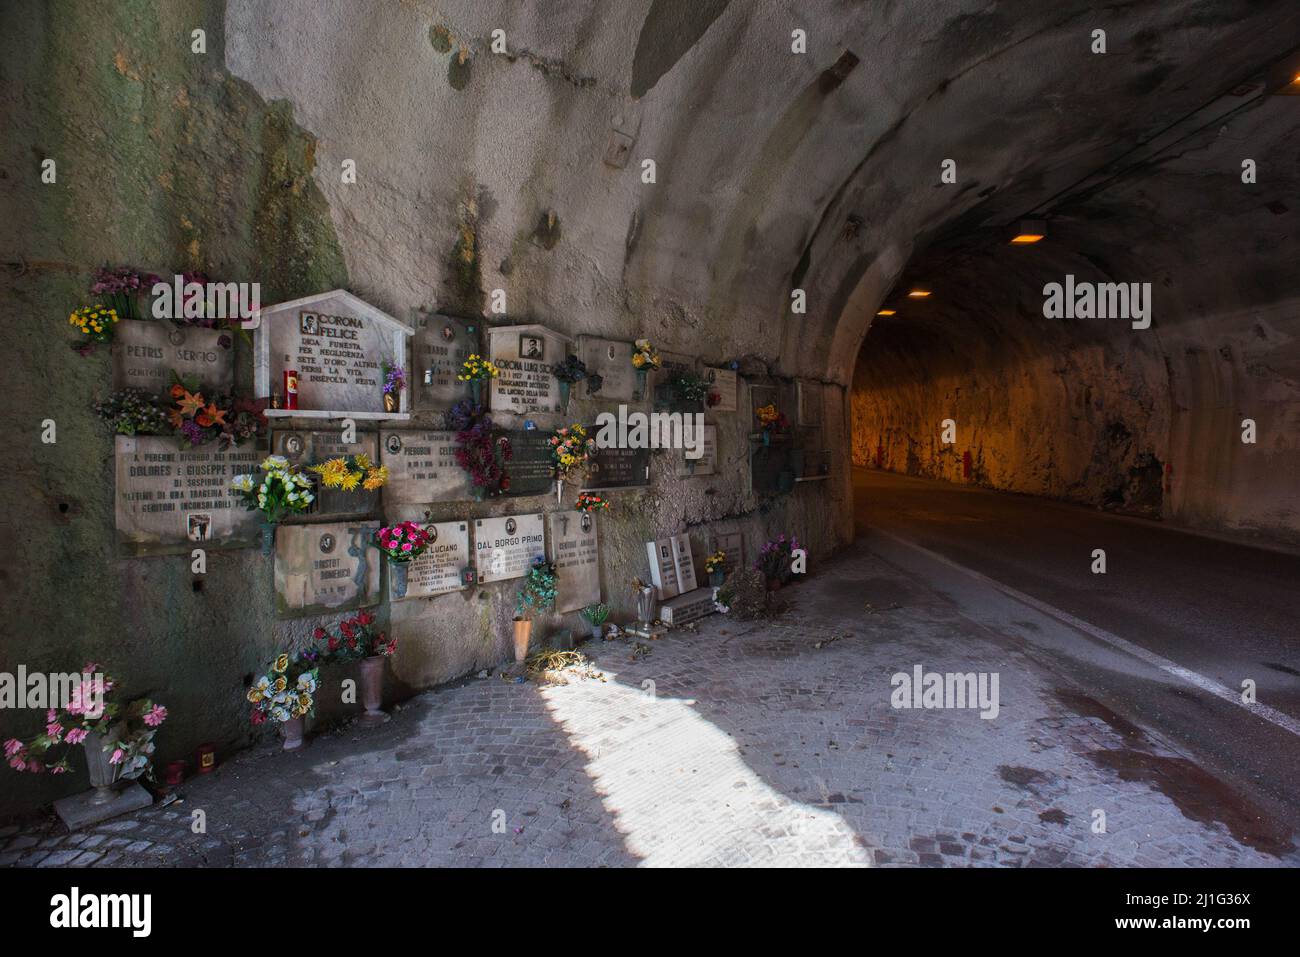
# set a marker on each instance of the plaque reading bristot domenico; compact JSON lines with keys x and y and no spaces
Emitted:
{"x":325,"y":568}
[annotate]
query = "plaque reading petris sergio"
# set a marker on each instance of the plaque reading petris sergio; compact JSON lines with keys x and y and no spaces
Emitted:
{"x":325,"y":568}
{"x":505,"y":547}
{"x":439,"y":569}
{"x":170,"y":500}
{"x":422,"y":468}
{"x":146,"y":353}
{"x":338,"y":344}
{"x":577,"y":559}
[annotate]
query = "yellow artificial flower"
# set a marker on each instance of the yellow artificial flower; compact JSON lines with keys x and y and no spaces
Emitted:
{"x":375,"y":478}
{"x":280,"y":683}
{"x":363,"y":460}
{"x":350,"y":481}
{"x":638,"y":360}
{"x":281,"y":664}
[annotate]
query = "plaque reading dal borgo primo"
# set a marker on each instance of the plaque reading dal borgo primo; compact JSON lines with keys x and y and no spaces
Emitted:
{"x":170,"y":500}
{"x":422,"y":468}
{"x":325,"y":568}
{"x":525,"y":354}
{"x":439,"y":569}
{"x":530,"y":462}
{"x":146,"y":353}
{"x":315,"y":448}
{"x":441,"y":345}
{"x":505,"y":547}
{"x":338,"y":344}
{"x":611,"y":359}
{"x":577,"y":559}
{"x":618,"y":468}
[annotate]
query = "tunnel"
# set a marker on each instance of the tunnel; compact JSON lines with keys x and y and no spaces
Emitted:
{"x":988,"y":313}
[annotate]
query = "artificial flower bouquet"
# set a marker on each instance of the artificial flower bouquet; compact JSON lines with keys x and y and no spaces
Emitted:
{"x":644,"y":356}
{"x":394,"y":379}
{"x":715,"y":562}
{"x":403,"y":542}
{"x":127,"y":731}
{"x":95,"y":323}
{"x":484,"y":454}
{"x":134,"y":412}
{"x":591,"y":503}
{"x":770,"y":418}
{"x":571,"y":370}
{"x":776,"y":558}
{"x":477,"y":369}
{"x":350,"y":472}
{"x":124,"y":287}
{"x":287,"y":689}
{"x":356,"y":639}
{"x":282,"y":491}
{"x":571,"y":450}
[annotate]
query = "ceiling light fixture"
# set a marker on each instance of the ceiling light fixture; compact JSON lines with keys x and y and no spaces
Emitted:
{"x":887,"y":312}
{"x":919,"y":294}
{"x":1029,"y":232}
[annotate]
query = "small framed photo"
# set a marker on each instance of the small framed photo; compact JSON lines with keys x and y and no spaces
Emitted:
{"x":532,"y":347}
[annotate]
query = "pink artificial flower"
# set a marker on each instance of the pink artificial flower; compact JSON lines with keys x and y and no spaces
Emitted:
{"x":54,"y":730}
{"x":34,"y":766}
{"x":406,"y":547}
{"x":76,"y":735}
{"x":155,"y":716}
{"x":51,"y":716}
{"x":58,"y":769}
{"x":18,"y":762}
{"x":12,"y":747}
{"x":117,"y":756}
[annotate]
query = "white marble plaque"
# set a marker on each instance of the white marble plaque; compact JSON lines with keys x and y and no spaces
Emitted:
{"x":325,"y":568}
{"x":440,"y":347}
{"x":684,"y":563}
{"x":169,"y":499}
{"x":707,"y":463}
{"x":663,"y":567}
{"x":338,"y":344}
{"x":723,"y":384}
{"x":525,"y":354}
{"x":439,"y":569}
{"x":146,"y":353}
{"x":576,"y":556}
{"x":506,"y":546}
{"x":611,"y":359}
{"x":422,"y":468}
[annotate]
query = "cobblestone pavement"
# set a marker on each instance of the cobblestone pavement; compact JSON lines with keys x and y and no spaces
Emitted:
{"x":736,"y":743}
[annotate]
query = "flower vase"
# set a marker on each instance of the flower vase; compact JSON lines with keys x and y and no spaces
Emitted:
{"x":372,"y":690}
{"x":565,"y":389}
{"x":268,"y":537}
{"x":645,"y":606}
{"x":476,"y":391}
{"x":597,"y":631}
{"x":523,"y":632}
{"x":640,"y":384}
{"x":103,"y":773}
{"x":480,"y":493}
{"x":293,"y":730}
{"x":767,"y":437}
{"x":392,"y":402}
{"x":716,"y":578}
{"x":559,"y":491}
{"x":397,"y":572}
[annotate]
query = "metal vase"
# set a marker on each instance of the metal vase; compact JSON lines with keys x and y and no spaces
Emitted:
{"x":565,"y":389}
{"x":103,"y":774}
{"x":397,"y":571}
{"x":645,"y":605}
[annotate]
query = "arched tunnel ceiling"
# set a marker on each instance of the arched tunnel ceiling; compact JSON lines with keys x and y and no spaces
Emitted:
{"x":762,"y":156}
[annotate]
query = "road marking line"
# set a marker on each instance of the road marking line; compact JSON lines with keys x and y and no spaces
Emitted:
{"x":1209,"y":685}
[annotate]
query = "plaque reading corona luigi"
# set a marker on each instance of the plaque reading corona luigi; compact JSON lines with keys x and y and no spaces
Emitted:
{"x":338,"y":345}
{"x":170,"y":500}
{"x":525,"y":354}
{"x":441,"y":567}
{"x":325,"y":568}
{"x":577,"y":559}
{"x":505,"y":547}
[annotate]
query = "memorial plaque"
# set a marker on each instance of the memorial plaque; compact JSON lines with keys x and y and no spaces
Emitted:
{"x":618,"y":468}
{"x":674,"y":364}
{"x":440,"y":347}
{"x":707,"y":463}
{"x":530,"y":462}
{"x":422,"y":468}
{"x":690,"y":606}
{"x":146,"y":353}
{"x":733,"y":543}
{"x":577,"y":559}
{"x":663,"y":567}
{"x":506,"y":547}
{"x":325,"y":568}
{"x":525,"y":355}
{"x":315,"y":448}
{"x":338,"y":344}
{"x":810,"y":403}
{"x":723,"y":383}
{"x":611,"y":359}
{"x":767,"y":463}
{"x":439,"y":569}
{"x":168,"y":500}
{"x":684,"y":563}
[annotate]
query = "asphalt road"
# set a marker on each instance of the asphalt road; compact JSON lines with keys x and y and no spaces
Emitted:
{"x":1224,"y":611}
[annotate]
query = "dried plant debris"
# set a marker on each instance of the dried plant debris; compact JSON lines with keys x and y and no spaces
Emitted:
{"x":558,"y":667}
{"x":640,"y":650}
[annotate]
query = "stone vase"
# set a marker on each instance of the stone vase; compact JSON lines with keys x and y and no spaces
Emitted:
{"x":103,"y":774}
{"x":372,"y":690}
{"x":398,"y":572}
{"x":597,"y":631}
{"x":523,"y":633}
{"x":293,"y":732}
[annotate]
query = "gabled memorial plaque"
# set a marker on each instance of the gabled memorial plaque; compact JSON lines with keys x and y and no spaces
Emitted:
{"x":169,"y":500}
{"x":577,"y":559}
{"x":441,"y":345}
{"x":611,"y":359}
{"x":338,"y":344}
{"x":439,"y":569}
{"x":684,"y":563}
{"x":663,"y":567}
{"x":707,"y":463}
{"x":525,"y":354}
{"x":530,"y":462}
{"x":505,"y":547}
{"x":316,"y":448}
{"x":422,"y":467}
{"x":146,"y":353}
{"x":618,"y":468}
{"x":325,"y":568}
{"x":724,"y":385}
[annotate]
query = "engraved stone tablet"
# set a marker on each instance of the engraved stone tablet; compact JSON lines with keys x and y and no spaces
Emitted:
{"x":618,"y":468}
{"x":733,"y":543}
{"x":525,"y":355}
{"x":707,"y":463}
{"x":663,"y":567}
{"x":684,"y":562}
{"x":422,"y":468}
{"x":145,"y":353}
{"x":505,"y":547}
{"x":315,"y":448}
{"x":169,"y":500}
{"x":325,"y":568}
{"x":440,"y":347}
{"x":722,"y":384}
{"x":338,"y":344}
{"x":530,"y":462}
{"x":439,"y":569}
{"x":577,"y":559}
{"x":611,"y":359}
